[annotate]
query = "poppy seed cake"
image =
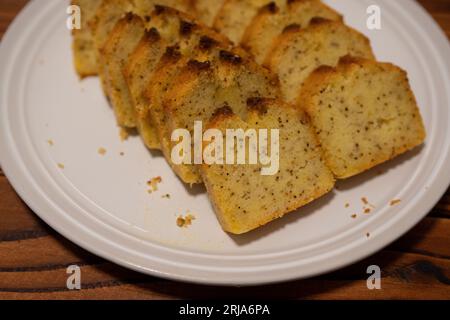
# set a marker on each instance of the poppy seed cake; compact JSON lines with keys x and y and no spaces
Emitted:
{"x":206,"y":10}
{"x":85,"y":58}
{"x":364,"y":114}
{"x":175,"y":29}
{"x":201,"y":87}
{"x":243,"y":198}
{"x":202,"y":47}
{"x":235,"y":15}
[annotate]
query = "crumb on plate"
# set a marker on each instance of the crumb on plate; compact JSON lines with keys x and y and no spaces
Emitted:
{"x":395,"y":202}
{"x":166,"y":196}
{"x":61,"y":166}
{"x":50,"y":142}
{"x":354,"y":216}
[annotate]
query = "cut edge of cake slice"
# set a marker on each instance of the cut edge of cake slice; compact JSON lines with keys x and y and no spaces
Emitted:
{"x":124,"y":38}
{"x":297,"y":52}
{"x":272,"y":19}
{"x":364,"y":113}
{"x":235,"y":15}
{"x":206,"y":10}
{"x":243,"y":198}
{"x":170,"y":65}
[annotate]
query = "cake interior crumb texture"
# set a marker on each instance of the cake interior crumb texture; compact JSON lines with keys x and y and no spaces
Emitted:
{"x":364,"y":113}
{"x":245,"y":199}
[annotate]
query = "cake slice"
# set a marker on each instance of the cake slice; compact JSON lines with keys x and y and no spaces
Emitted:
{"x":243,"y":198}
{"x":201,"y":87}
{"x":297,"y":52}
{"x":127,"y":35}
{"x":83,"y":43}
{"x":206,"y":10}
{"x":235,"y":15}
{"x":272,"y":19}
{"x":111,"y":11}
{"x":124,"y":38}
{"x":364,"y":114}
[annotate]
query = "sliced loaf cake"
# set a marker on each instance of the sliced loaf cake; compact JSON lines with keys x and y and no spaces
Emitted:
{"x":243,"y":198}
{"x":129,"y":34}
{"x":123,"y":39}
{"x":83,"y":42}
{"x":272,"y":19}
{"x":364,"y":114}
{"x":297,"y":52}
{"x":201,"y":45}
{"x":235,"y":16}
{"x":201,"y":87}
{"x":177,"y":28}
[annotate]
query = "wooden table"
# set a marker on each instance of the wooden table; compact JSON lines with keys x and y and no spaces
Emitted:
{"x":33,"y":257}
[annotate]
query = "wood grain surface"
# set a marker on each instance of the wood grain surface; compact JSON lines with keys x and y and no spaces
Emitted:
{"x":33,"y":258}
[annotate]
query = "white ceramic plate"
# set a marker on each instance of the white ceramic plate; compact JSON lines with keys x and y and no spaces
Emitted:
{"x":102,"y":204}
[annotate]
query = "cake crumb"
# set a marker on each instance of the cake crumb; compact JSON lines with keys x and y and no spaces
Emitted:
{"x":122,"y":154}
{"x":368,"y":235}
{"x":354,"y":216}
{"x":50,"y":142}
{"x":153,"y":184}
{"x":395,"y":202}
{"x":101,"y":151}
{"x":124,"y":135}
{"x":186,"y":221}
{"x":347,"y":205}
{"x":166,"y":196}
{"x":367,"y":210}
{"x":61,"y":166}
